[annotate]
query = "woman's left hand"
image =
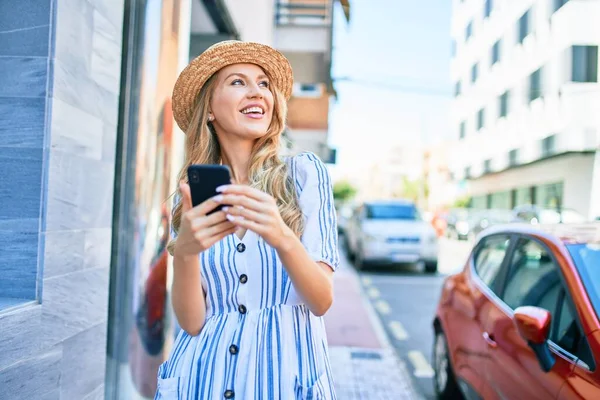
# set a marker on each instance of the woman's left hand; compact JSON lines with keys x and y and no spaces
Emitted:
{"x":255,"y":210}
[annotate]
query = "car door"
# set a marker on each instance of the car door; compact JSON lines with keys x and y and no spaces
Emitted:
{"x":469,"y":303}
{"x":512,"y":370}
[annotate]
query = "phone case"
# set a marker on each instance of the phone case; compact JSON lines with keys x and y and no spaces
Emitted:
{"x":204,"y":180}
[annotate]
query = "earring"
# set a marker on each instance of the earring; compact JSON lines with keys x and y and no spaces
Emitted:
{"x":211,"y":118}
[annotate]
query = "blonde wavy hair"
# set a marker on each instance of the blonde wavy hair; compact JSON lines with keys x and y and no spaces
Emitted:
{"x":268,"y":172}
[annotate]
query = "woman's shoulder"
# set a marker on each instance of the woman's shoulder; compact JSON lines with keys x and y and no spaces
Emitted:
{"x":306,"y":165}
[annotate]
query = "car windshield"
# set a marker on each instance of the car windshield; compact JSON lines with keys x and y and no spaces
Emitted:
{"x":392,"y":211}
{"x":587,"y":262}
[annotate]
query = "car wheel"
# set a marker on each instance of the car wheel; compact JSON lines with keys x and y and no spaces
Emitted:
{"x":444,"y":380}
{"x":431,"y":267}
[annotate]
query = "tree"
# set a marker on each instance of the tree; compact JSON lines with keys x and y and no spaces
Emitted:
{"x":343,"y":190}
{"x":463,"y":202}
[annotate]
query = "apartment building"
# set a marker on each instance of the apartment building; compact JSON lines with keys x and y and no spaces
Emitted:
{"x":526,"y":102}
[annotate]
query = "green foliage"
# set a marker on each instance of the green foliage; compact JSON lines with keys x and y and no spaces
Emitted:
{"x":343,"y":191}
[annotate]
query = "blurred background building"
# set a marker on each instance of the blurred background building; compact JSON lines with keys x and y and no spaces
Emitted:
{"x":89,"y":153}
{"x":526,"y":102}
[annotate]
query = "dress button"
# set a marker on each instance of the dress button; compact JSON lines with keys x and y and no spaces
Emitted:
{"x":228,"y":394}
{"x":243,"y":278}
{"x":233,"y":349}
{"x":242,"y":309}
{"x":241,"y":247}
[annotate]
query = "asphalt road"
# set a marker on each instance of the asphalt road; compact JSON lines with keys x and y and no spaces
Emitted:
{"x":405,"y":300}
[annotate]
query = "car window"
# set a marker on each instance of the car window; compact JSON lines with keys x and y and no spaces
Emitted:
{"x":533,"y":277}
{"x":534,"y":280}
{"x":392,"y":211}
{"x":490,"y":256}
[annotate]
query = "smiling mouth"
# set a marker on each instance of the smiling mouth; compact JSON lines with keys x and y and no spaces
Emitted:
{"x":253,"y":111}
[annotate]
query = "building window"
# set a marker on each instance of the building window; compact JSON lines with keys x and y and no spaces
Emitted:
{"x":513,"y":157}
{"x":496,"y":52}
{"x":457,"y":89}
{"x":469,"y":30}
{"x":535,"y":85}
{"x":487,"y":166}
{"x":524,"y":26}
{"x":548,"y":146}
{"x":463,"y":130}
{"x":480,"y":119}
{"x":474,"y":72}
{"x":558,"y":4}
{"x":503,"y":106}
{"x":489,"y":4}
{"x":467,"y":172}
{"x":585,"y":64}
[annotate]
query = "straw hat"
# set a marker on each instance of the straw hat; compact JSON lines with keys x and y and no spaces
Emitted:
{"x":220,"y":55}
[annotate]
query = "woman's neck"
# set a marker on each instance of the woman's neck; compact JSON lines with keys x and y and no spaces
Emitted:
{"x":237,"y":156}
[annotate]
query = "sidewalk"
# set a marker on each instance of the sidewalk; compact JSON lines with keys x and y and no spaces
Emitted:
{"x":364,"y":364}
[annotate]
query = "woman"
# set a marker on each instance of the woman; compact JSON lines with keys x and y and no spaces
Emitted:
{"x":252,"y":281}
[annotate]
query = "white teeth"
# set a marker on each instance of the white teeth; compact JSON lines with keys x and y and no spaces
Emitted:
{"x":252,"y":109}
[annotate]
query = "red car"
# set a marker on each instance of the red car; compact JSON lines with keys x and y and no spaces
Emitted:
{"x":521,"y":321}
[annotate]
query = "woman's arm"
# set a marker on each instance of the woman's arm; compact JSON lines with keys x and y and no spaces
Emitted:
{"x":197,"y":233}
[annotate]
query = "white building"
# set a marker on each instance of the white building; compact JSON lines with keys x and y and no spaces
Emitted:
{"x":527,"y":102}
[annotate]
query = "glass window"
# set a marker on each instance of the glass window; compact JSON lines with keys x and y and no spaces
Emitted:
{"x":524,"y":26}
{"x":474,"y":72}
{"x":496,"y":52}
{"x":469,"y":32}
{"x":392,"y":211}
{"x":480,"y":119}
{"x":457,"y":89}
{"x":559,"y":3}
{"x":585,"y":64}
{"x":489,"y":258}
{"x":534,"y":278}
{"x":548,"y":146}
{"x":503,"y":106}
{"x":463,"y":130}
{"x":487,"y":166}
{"x":489,"y":4}
{"x":535,"y":85}
{"x":587,"y":260}
{"x":513,"y":157}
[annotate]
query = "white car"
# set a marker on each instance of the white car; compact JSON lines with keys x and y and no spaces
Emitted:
{"x":389,"y":232}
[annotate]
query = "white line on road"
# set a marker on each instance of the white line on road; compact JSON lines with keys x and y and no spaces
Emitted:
{"x":420,"y":364}
{"x":374,"y":293}
{"x":383,"y":307}
{"x":398,"y":330}
{"x":367,"y":281}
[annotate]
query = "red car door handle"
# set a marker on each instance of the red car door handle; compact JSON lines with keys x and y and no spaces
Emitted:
{"x":489,"y":339}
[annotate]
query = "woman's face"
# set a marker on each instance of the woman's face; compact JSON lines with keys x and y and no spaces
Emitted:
{"x":242,"y":103}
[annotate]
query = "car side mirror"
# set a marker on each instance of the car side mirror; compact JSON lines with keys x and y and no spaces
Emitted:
{"x":533,"y":324}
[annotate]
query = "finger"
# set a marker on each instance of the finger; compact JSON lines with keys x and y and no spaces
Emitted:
{"x":248,"y":224}
{"x":244,"y":201}
{"x":209,"y":220}
{"x":214,"y":230}
{"x":214,"y":239}
{"x":206,"y":206}
{"x":247,"y":214}
{"x":186,"y":197}
{"x":246,"y":191}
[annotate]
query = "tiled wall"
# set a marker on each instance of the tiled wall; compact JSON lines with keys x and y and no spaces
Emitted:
{"x":59,"y":88}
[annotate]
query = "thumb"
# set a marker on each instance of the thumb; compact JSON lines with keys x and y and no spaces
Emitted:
{"x":186,"y":197}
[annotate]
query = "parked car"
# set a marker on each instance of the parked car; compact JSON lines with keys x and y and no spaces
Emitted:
{"x":344,"y":213}
{"x":458,"y":223}
{"x":541,"y":215}
{"x":521,"y":321}
{"x":388,"y":232}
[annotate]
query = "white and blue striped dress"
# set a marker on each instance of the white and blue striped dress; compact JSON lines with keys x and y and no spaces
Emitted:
{"x":259,"y":341}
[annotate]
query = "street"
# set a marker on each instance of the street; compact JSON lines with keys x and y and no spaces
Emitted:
{"x":405,"y":301}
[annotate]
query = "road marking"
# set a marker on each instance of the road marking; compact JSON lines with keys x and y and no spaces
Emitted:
{"x":374,"y":293}
{"x":421,"y":366}
{"x":398,"y":330}
{"x":367,"y":281}
{"x":383,"y":307}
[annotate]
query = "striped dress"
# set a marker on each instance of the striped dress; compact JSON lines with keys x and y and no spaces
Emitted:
{"x":259,"y":341}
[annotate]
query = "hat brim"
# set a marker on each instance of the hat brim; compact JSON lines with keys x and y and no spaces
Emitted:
{"x":199,"y":70}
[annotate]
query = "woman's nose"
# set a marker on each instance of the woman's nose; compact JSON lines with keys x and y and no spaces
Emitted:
{"x":254,"y":91}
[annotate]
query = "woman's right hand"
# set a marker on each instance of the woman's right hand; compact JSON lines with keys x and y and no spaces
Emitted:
{"x":198,"y":231}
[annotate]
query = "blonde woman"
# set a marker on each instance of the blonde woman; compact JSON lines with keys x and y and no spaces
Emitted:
{"x":252,"y":281}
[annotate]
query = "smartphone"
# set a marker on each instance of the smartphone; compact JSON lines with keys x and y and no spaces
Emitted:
{"x":204,"y":179}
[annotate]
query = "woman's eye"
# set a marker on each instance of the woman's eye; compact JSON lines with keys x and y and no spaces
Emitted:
{"x":264,"y":84}
{"x":237,"y":82}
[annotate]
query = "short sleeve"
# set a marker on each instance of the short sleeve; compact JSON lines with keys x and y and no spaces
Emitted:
{"x":315,"y":197}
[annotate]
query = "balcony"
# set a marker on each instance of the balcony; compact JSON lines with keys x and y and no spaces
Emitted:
{"x":303,"y":33}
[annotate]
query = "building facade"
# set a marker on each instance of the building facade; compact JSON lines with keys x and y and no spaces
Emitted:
{"x":526,"y":101}
{"x":90,"y":156}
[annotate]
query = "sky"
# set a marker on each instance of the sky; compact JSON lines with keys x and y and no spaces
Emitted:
{"x":391,"y":69}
